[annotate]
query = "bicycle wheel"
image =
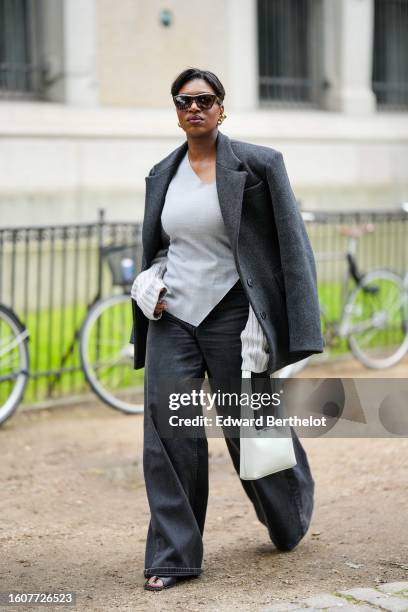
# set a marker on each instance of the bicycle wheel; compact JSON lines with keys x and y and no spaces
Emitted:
{"x":106,"y":354}
{"x":376,"y":320}
{"x":14,"y":362}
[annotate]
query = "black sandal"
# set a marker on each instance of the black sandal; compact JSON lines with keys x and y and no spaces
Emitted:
{"x":168,"y":582}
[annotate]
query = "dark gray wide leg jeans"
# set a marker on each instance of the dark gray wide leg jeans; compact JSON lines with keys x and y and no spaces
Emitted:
{"x":176,"y":470}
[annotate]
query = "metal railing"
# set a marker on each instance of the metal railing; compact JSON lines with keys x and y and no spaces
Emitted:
{"x":385,"y":247}
{"x":51,"y":275}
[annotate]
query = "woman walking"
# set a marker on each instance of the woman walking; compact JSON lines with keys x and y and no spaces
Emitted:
{"x":228,"y":282}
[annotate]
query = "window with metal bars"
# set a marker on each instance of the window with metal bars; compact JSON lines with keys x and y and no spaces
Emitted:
{"x":390,"y":61}
{"x":20,"y":73}
{"x":290,"y":49}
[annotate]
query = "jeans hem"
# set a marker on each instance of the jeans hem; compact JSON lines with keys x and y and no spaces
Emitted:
{"x":172,"y":571}
{"x":288,"y":546}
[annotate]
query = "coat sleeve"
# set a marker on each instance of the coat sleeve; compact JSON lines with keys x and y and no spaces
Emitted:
{"x":297,"y":260}
{"x":140,"y":321}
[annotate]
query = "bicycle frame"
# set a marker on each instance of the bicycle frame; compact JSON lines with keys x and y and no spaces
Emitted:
{"x":340,"y":328}
{"x":5,"y":348}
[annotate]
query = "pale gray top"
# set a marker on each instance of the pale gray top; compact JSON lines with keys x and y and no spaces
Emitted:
{"x":146,"y":289}
{"x":200,"y":266}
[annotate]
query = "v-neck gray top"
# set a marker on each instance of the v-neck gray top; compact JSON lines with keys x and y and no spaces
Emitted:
{"x":200,"y":264}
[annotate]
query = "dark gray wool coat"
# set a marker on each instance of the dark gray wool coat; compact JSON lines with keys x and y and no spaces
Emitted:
{"x":269,"y":241}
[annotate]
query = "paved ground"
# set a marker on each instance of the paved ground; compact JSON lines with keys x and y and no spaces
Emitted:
{"x":391,"y":596}
{"x":74,"y":516}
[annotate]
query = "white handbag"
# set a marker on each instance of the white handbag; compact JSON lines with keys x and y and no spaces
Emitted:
{"x":261,"y":452}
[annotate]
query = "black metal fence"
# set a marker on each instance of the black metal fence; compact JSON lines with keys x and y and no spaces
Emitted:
{"x":383,"y":244}
{"x":50,"y":276}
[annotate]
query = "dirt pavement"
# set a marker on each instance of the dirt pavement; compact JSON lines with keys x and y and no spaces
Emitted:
{"x":74,"y":516}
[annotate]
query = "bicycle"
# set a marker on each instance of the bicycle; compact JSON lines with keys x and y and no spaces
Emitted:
{"x":374,"y":314}
{"x":105,"y":351}
{"x":14,"y":361}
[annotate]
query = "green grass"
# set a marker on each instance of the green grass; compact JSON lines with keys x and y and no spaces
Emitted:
{"x":330,"y":295}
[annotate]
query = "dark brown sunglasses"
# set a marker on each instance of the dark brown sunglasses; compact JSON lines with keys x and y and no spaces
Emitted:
{"x":204,"y":101}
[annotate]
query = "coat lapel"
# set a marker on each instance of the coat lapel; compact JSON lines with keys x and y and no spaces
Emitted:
{"x":230,"y":182}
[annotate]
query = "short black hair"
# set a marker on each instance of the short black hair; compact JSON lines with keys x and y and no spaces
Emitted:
{"x":196,"y":73}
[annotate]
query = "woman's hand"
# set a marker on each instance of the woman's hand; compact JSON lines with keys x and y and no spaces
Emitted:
{"x":161,"y":304}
